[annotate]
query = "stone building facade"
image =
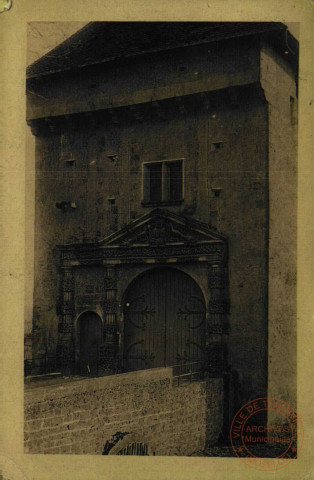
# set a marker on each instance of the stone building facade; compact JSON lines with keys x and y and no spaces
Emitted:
{"x":166,"y":202}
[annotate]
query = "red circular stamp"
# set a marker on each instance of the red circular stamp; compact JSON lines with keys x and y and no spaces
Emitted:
{"x":267,"y":434}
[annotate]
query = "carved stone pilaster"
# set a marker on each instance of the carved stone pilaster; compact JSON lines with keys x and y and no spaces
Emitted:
{"x":110,"y":328}
{"x":67,"y":308}
{"x":110,"y":278}
{"x":66,"y":325}
{"x":68,"y":281}
{"x":110,"y":306}
{"x":65,"y":355}
{"x":108,"y":358}
{"x":65,"y":347}
{"x":217,"y":277}
{"x":218,"y":306}
{"x":217,"y":324}
{"x":216,"y":358}
{"x":110,"y":283}
{"x":108,"y":355}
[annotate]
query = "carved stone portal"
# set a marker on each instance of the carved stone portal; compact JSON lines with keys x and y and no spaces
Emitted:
{"x":159,"y":235}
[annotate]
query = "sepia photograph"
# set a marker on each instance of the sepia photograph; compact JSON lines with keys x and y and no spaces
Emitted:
{"x":162,"y":220}
{"x":157,"y":232}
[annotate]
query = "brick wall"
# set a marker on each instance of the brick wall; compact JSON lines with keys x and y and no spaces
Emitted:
{"x":80,"y":416}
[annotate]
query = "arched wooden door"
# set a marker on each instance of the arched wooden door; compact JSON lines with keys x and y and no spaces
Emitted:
{"x":89,"y":341}
{"x":164,"y":321}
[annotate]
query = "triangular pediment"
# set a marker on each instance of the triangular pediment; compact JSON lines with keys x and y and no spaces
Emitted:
{"x":161,"y":227}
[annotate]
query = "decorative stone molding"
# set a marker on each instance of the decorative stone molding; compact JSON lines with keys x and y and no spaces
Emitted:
{"x":110,"y":306}
{"x":84,"y":300}
{"x":215,"y":252}
{"x":217,"y":277}
{"x":215,"y":358}
{"x":219,"y":328}
{"x":110,"y":328}
{"x":201,"y":97}
{"x":68,"y":282}
{"x":67,"y":308}
{"x":218,"y":325}
{"x":110,"y":283}
{"x":108,"y":353}
{"x":65,"y":348}
{"x":158,"y":235}
{"x":65,"y":355}
{"x":66,"y":325}
{"x":108,"y":358}
{"x":219,"y":306}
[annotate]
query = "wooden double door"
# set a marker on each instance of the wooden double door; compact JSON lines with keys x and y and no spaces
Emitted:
{"x":164,"y":321}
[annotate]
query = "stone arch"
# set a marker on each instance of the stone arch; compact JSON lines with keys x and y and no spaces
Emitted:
{"x":200,"y":277}
{"x":97,"y":310}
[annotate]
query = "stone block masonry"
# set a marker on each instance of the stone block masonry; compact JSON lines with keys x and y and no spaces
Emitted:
{"x":80,"y":417}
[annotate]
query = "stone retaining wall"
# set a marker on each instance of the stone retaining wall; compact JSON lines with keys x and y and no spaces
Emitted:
{"x":80,"y":417}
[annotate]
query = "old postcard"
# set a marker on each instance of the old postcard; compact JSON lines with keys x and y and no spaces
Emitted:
{"x":157,"y":232}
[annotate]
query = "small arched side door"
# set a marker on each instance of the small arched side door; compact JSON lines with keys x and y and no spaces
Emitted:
{"x":89,"y":327}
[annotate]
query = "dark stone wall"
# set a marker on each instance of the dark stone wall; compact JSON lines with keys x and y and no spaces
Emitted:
{"x":279,"y":84}
{"x":238,"y":166}
{"x":146,"y":78}
{"x":224,"y":141}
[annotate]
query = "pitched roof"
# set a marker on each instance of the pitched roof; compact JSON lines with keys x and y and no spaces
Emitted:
{"x":100,"y":42}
